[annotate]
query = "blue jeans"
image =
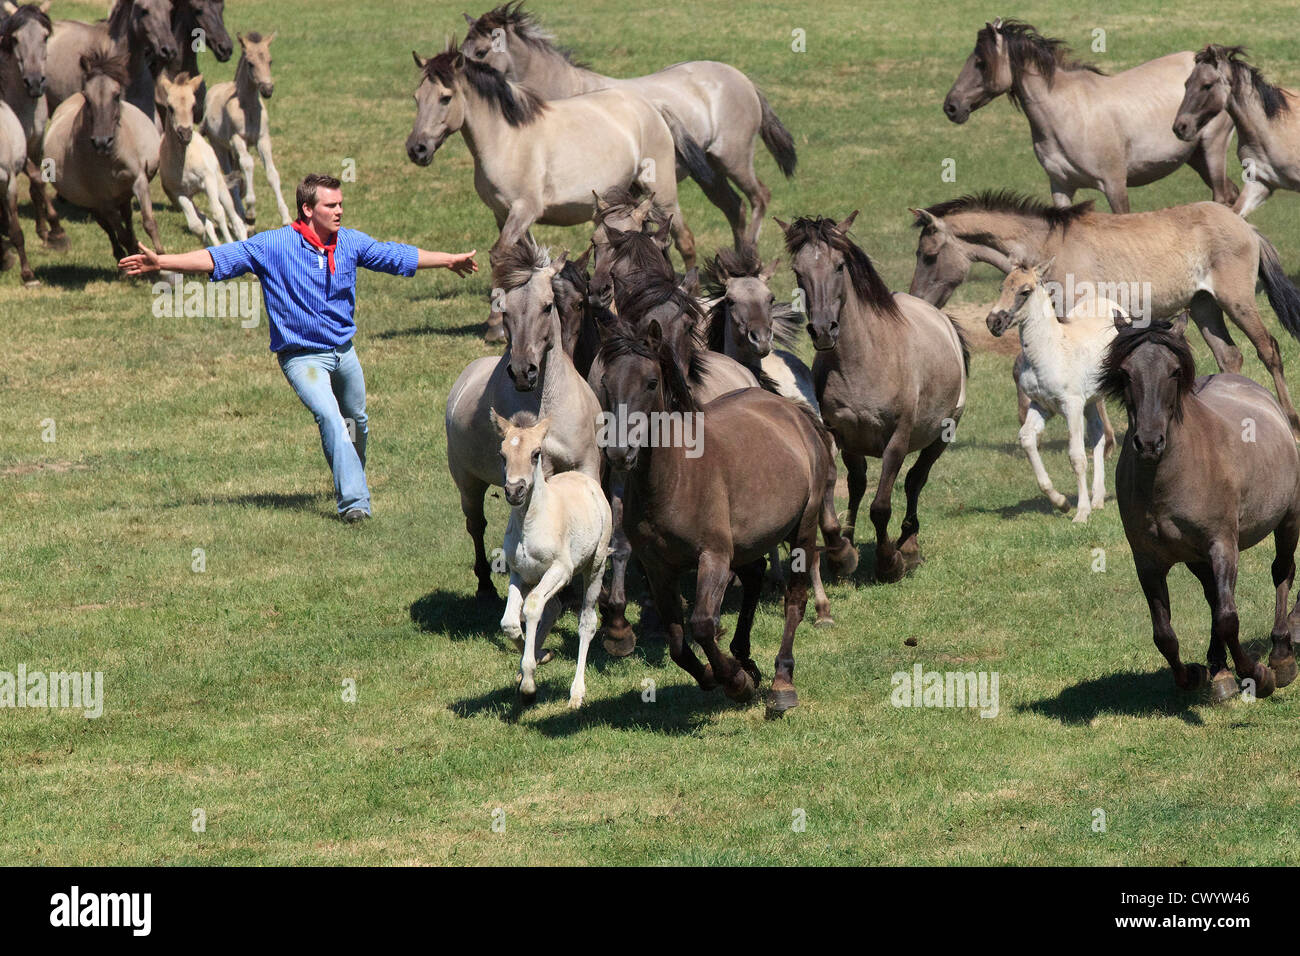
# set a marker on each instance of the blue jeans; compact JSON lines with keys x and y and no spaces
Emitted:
{"x":333,"y":388}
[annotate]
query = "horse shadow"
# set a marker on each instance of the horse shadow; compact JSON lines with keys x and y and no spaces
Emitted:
{"x":1038,"y":505}
{"x":679,"y":710}
{"x":473,"y":328}
{"x":1124,"y":694}
{"x":68,"y":276}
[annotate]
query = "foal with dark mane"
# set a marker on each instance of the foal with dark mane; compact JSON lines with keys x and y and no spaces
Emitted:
{"x":757,"y":477}
{"x":1208,"y":469}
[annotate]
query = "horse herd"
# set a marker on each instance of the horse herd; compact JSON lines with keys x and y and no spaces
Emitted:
{"x":100,"y":109}
{"x":638,"y":413}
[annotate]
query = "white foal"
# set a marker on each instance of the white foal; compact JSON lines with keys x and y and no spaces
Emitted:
{"x":559,"y":527}
{"x":1061,"y":375}
{"x":187,"y":164}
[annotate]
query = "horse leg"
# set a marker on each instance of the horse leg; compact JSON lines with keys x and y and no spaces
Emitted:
{"x":1095,"y":439}
{"x":216,"y":211}
{"x":552,"y":581}
{"x":1022,"y":400}
{"x":1116,"y":193}
{"x":728,"y":200}
{"x":619,"y":640}
{"x":1220,"y":585}
{"x":1207,"y":315}
{"x":683,"y":238}
{"x":1282,"y":658}
{"x":909,"y":543}
{"x":141,"y":190}
{"x":471,"y":503}
{"x":587,"y":621}
{"x":667,"y":597}
{"x":751,"y":581}
{"x":1241,"y":308}
{"x":1074,"y":419}
{"x":889,"y":563}
{"x":16,"y":231}
{"x":855,"y":467}
{"x":47,"y":218}
{"x":1107,"y":432}
{"x":245,"y":160}
{"x":510,"y":621}
{"x":711,"y":580}
{"x":272,"y":175}
{"x":1210,"y":160}
{"x":783,"y":696}
{"x":1062,"y":193}
{"x":195,"y":221}
{"x":1154,"y":580}
{"x":113,"y":234}
{"x":1035,"y":420}
{"x":757,"y":194}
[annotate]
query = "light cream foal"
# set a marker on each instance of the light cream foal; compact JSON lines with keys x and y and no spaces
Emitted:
{"x":559,"y":528}
{"x":187,"y":164}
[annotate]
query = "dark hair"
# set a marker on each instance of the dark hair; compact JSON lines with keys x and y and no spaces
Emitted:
{"x":1114,"y":380}
{"x":1234,"y":57}
{"x":26,"y":13}
{"x":105,"y":60}
{"x":307,"y":190}
{"x":1026,"y":46}
{"x":868,"y":286}
{"x":1005,"y":200}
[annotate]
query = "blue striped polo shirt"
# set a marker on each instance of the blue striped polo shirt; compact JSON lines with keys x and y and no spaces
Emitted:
{"x":306,"y":306}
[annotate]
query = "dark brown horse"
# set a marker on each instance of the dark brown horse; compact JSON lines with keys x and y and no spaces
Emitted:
{"x":756,"y":478}
{"x":1208,"y":469}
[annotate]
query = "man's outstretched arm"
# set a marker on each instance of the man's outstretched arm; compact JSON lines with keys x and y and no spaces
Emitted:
{"x":146,"y":260}
{"x":461,"y":263}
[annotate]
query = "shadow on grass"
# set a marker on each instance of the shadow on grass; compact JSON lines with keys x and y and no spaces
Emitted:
{"x":76,"y":277}
{"x":676,"y":711}
{"x":1038,"y":505}
{"x":298,"y":501}
{"x":1126,"y":693}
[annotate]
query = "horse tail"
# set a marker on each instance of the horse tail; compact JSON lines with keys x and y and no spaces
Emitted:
{"x":689,"y":152}
{"x":962,"y":341}
{"x":776,"y":137}
{"x":1282,"y":294}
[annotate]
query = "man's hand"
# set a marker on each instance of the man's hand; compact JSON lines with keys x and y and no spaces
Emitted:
{"x":463,"y":263}
{"x":146,"y":260}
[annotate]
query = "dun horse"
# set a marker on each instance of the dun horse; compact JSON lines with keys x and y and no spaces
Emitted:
{"x":1061,"y":374}
{"x":187,"y":164}
{"x":559,"y":528}
{"x":1090,"y":130}
{"x":538,"y":162}
{"x":890,"y":375}
{"x":1201,"y":257}
{"x":1196,"y":488}
{"x":533,"y":375}
{"x":235,"y":118}
{"x":1268,"y":130}
{"x":201,"y":24}
{"x":757,"y":477}
{"x":105,"y":151}
{"x":720,"y":108}
{"x":24,"y":37}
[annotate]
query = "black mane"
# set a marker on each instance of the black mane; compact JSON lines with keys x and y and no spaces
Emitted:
{"x":1114,"y":380}
{"x":1271,"y":97}
{"x":1026,"y":47}
{"x":867,"y":283}
{"x":512,"y":16}
{"x":25,"y":14}
{"x":518,"y":106}
{"x":1005,"y":200}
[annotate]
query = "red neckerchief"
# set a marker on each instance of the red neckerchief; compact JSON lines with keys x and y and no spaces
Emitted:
{"x":308,"y":233}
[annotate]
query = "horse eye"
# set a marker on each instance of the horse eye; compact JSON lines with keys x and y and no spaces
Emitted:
{"x":1207,"y":86}
{"x":979,"y":64}
{"x":930,"y":259}
{"x":537,"y":454}
{"x":445,"y":99}
{"x":652,"y":385}
{"x":480,"y":54}
{"x":549,"y":306}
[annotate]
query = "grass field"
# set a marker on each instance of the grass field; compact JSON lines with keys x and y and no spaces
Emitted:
{"x":223,"y":689}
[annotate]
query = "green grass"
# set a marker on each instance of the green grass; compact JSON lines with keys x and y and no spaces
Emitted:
{"x":223,"y":688}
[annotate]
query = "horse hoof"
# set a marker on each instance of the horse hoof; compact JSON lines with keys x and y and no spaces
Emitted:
{"x":528,"y":699}
{"x":575,"y":703}
{"x":517,"y":643}
{"x":844,"y":562}
{"x":546,"y":658}
{"x":779,"y":701}
{"x":32,"y":283}
{"x":1223,"y":687}
{"x":826,"y":621}
{"x":1062,"y":506}
{"x":1198,"y":676}
{"x":706,"y":680}
{"x":1284,"y":669}
{"x":619,"y":640}
{"x":486,"y":592}
{"x":911,"y":560}
{"x":1081,"y":517}
{"x":894,"y":571}
{"x":58,"y":241}
{"x":752,"y":670}
{"x":741,"y":688}
{"x":1265,"y":682}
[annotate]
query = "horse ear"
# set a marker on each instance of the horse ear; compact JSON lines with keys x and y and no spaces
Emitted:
{"x":1122,"y":319}
{"x":1044,"y":267}
{"x":847,"y":223}
{"x":459,"y":61}
{"x":654,"y":335}
{"x":925,"y":218}
{"x":45,"y":7}
{"x":581,"y":261}
{"x":10,"y":8}
{"x":600,"y":205}
{"x":196,"y":81}
{"x":542,"y":426}
{"x":557,"y":265}
{"x":468,"y":19}
{"x":785,"y":226}
{"x":770,"y":270}
{"x":267,"y":41}
{"x":690,"y":283}
{"x":418,"y":60}
{"x":664,"y":237}
{"x":242,"y":40}
{"x":1180,"y":323}
{"x":614,"y":234}
{"x":644,"y":210}
{"x":501,"y":424}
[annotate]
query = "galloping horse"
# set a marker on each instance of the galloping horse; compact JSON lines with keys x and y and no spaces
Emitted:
{"x":1196,"y":488}
{"x":1090,"y":130}
{"x":1268,"y":129}
{"x":720,"y":108}
{"x":890,"y":375}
